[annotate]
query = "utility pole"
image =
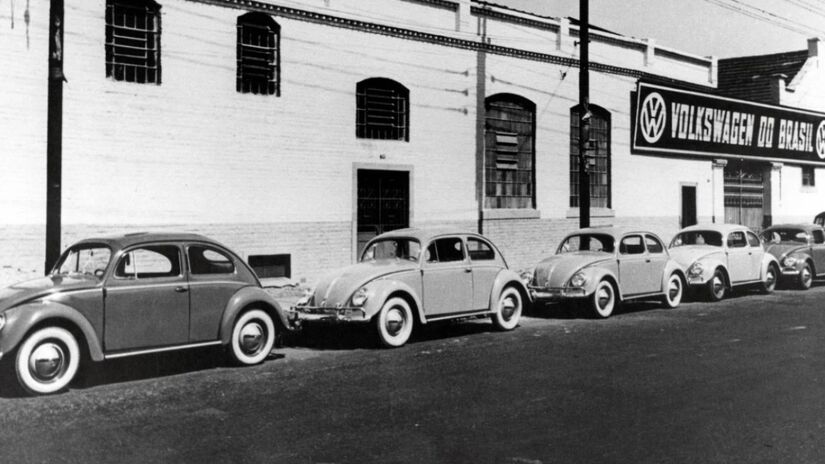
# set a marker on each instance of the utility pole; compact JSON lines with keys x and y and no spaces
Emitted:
{"x":54,"y":135}
{"x":584,"y":113}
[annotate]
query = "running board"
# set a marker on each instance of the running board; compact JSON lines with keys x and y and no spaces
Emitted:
{"x":161,"y":350}
{"x":459,"y":315}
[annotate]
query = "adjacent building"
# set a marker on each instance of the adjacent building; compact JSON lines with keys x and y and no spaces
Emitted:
{"x":295,"y":130}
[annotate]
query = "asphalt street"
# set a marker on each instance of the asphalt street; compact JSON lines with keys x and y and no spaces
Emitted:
{"x":739,"y":381}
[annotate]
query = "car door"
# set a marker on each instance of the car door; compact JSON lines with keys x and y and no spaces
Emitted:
{"x":212,"y":282}
{"x":739,"y":257}
{"x":757,"y":252}
{"x":447,"y":278}
{"x":486,"y":267}
{"x":635,"y":267}
{"x":818,"y":250}
{"x":658,"y":261}
{"x":147,"y":299}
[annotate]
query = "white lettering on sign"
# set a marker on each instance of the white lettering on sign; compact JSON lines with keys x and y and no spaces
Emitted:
{"x":795,"y":135}
{"x":692,"y":122}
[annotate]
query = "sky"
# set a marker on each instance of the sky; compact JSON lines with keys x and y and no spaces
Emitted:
{"x":721,"y":28}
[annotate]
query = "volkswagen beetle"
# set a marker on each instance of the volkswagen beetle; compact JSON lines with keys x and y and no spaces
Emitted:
{"x":800,"y":250}
{"x":718,"y":257}
{"x":132,"y":294}
{"x":417,"y":275}
{"x":603,"y":266}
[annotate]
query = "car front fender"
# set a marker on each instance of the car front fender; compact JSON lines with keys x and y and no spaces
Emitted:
{"x":709,"y":266}
{"x":595,"y":274}
{"x":245,"y":297}
{"x":21,"y":319}
{"x":505,"y":278}
{"x":381,"y":289}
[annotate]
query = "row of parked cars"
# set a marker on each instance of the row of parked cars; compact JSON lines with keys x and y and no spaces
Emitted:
{"x":140,"y":293}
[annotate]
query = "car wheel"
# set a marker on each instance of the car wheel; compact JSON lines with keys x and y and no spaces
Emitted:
{"x":673,"y":292}
{"x":508,"y":309}
{"x":603,"y":300}
{"x":806,"y":277}
{"x":252,"y":338}
{"x":394,"y":323}
{"x":716,"y":286}
{"x":47,"y":361}
{"x":769,"y":284}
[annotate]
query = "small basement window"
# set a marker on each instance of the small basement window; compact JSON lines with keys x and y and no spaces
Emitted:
{"x":271,"y":265}
{"x":808,"y":176}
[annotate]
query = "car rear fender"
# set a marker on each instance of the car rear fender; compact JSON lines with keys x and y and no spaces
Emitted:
{"x":383,"y":289}
{"x":504,"y":279}
{"x":21,"y":319}
{"x":250,"y":297}
{"x":767,"y":260}
{"x":670,"y":268}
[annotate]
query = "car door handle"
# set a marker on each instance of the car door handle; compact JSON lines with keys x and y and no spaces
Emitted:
{"x":468,"y":269}
{"x":181,"y":289}
{"x":647,"y":260}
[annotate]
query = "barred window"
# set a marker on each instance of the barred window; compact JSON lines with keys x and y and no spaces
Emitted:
{"x":600,"y":182}
{"x":382,"y":110}
{"x":133,"y":41}
{"x":509,"y":152}
{"x":808,"y":176}
{"x":259,"y":55}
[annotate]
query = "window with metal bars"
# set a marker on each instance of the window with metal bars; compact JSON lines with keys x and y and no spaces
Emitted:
{"x":259,"y":55}
{"x":382,"y":110}
{"x":599,"y":169}
{"x":509,"y":152}
{"x":133,"y":41}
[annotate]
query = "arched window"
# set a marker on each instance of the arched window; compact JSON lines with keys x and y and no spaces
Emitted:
{"x":599,"y":170}
{"x":259,"y":55}
{"x":509,"y":152}
{"x":382,"y":110}
{"x":133,"y":41}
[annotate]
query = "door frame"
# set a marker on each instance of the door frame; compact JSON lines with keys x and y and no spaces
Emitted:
{"x":408,"y":168}
{"x":695,"y":186}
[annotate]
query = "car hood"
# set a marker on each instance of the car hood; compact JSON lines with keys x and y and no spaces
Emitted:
{"x":781,"y":249}
{"x":689,"y":254}
{"x":335,"y":288}
{"x":29,"y":290}
{"x":556,"y":270}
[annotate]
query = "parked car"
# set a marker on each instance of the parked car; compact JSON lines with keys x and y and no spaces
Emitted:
{"x":132,"y":294}
{"x":411,"y":275}
{"x":819,"y":219}
{"x":604,"y":266}
{"x":719,"y":257}
{"x":800,"y":250}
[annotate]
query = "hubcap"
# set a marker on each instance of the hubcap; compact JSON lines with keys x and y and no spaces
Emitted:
{"x":605,"y":295}
{"x":252,"y":338}
{"x":674,"y":289}
{"x":47,"y":362}
{"x":718,"y":286}
{"x":508,"y":307}
{"x":806,"y":275}
{"x":395,"y":321}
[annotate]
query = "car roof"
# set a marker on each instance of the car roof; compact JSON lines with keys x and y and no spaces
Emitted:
{"x":614,"y":231}
{"x":804,"y":226}
{"x":426,"y":234}
{"x":722,"y":228}
{"x":118,"y":241}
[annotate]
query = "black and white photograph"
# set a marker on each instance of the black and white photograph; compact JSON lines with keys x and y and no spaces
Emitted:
{"x":412,"y":231}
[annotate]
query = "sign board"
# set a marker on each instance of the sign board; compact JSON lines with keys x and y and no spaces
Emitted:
{"x":672,"y":121}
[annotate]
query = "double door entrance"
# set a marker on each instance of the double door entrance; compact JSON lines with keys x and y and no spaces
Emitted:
{"x":383,"y":203}
{"x":745,"y":194}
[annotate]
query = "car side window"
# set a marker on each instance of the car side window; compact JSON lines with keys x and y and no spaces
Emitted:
{"x":753,"y":240}
{"x":737,"y":240}
{"x":479,"y":250}
{"x":819,"y":236}
{"x":631,"y":245}
{"x":207,"y":260}
{"x":654,"y":245}
{"x":149,"y":262}
{"x":445,"y":250}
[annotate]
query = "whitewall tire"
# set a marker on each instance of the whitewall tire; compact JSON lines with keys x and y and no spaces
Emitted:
{"x":508,"y":309}
{"x":394,"y":323}
{"x":674,"y":290}
{"x":603,"y":300}
{"x":47,"y":361}
{"x":771,"y":276}
{"x":252,"y":338}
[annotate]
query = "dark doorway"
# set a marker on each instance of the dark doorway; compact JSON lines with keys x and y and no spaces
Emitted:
{"x":688,"y":205}
{"x":383,"y":203}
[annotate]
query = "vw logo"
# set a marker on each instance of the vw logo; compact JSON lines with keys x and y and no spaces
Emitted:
{"x":820,"y":140}
{"x":653,"y":117}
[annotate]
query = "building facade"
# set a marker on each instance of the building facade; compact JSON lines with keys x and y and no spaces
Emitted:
{"x":295,"y":130}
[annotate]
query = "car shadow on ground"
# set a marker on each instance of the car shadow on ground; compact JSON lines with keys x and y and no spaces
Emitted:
{"x":133,"y":368}
{"x":572,"y":310}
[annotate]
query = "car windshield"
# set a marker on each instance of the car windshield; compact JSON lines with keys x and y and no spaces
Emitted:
{"x":84,"y":259}
{"x":395,"y":248}
{"x":785,"y":235}
{"x":697,"y":237}
{"x":587,"y":242}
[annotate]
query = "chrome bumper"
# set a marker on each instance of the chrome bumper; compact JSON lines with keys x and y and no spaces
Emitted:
{"x":790,"y":271}
{"x":314,"y":314}
{"x":555,"y":293}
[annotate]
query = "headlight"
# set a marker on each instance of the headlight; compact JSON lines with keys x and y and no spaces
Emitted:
{"x":360,"y":297}
{"x":789,"y":261}
{"x":578,"y":280}
{"x":695,"y":269}
{"x":2,"y":321}
{"x":304,"y":299}
{"x":526,"y":276}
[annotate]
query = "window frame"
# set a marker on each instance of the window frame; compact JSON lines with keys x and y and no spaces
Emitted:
{"x":642,"y":245}
{"x":118,"y":71}
{"x":598,"y":114}
{"x":808,"y":176}
{"x":136,"y":277}
{"x":433,"y":243}
{"x":214,"y":249}
{"x":367,"y":91}
{"x":655,"y":240}
{"x":489,"y":245}
{"x":244,"y":82}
